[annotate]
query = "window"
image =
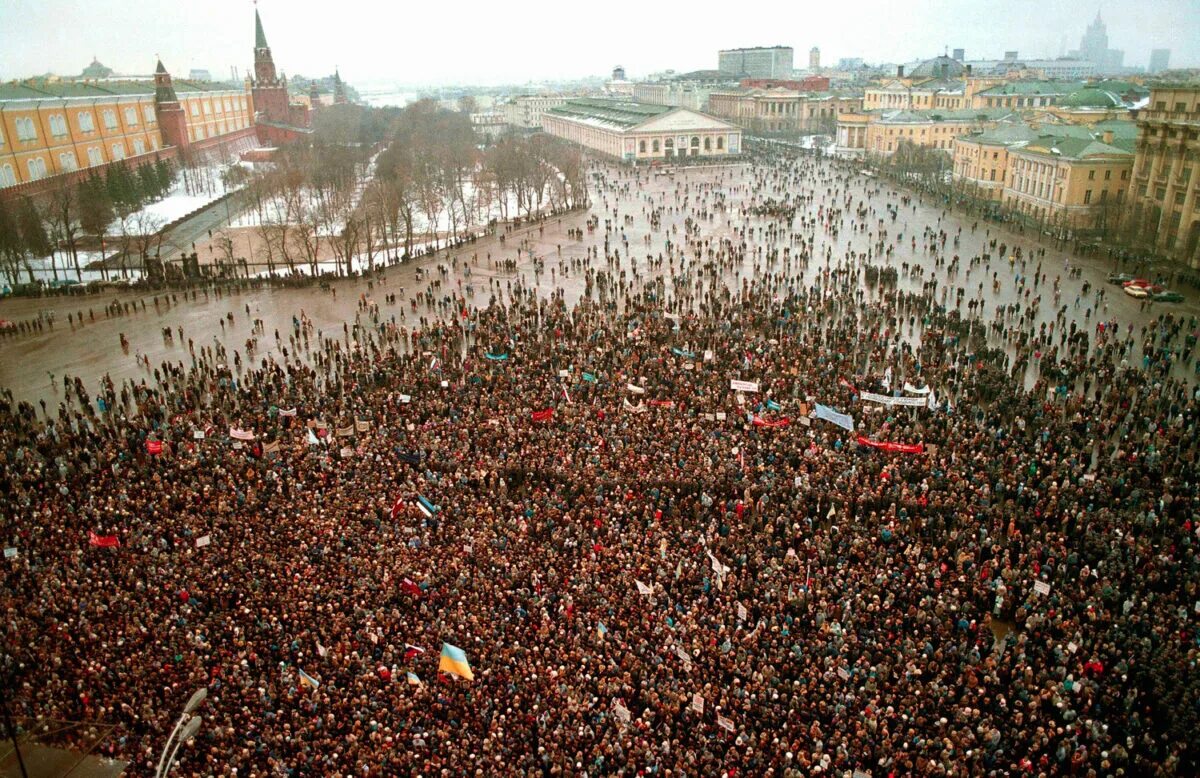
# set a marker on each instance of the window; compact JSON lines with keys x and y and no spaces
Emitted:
{"x":1091,"y":175}
{"x":228,"y":105}
{"x":207,"y":108}
{"x":118,"y":151}
{"x":1103,"y":195}
{"x":66,"y":161}
{"x":58,"y":125}
{"x":139,"y":146}
{"x":148,"y":113}
{"x":243,"y":103}
{"x":720,"y":143}
{"x":26,"y":130}
{"x":87,"y":123}
{"x":37,"y":168}
{"x":199,"y":133}
{"x":110,"y":119}
{"x":642,"y":147}
{"x":654,"y":146}
{"x":94,"y":156}
{"x":131,"y":117}
{"x":195,"y":109}
{"x":1087,"y":197}
{"x":7,"y":177}
{"x":1107,"y":175}
{"x":217,"y":107}
{"x":1179,"y":197}
{"x":708,"y":144}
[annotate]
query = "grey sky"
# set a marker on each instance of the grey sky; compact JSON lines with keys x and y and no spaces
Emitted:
{"x":490,"y":42}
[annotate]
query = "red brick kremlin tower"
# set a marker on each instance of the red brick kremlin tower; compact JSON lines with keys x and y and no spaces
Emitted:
{"x":276,"y":119}
{"x":172,"y":121}
{"x":270,"y":91}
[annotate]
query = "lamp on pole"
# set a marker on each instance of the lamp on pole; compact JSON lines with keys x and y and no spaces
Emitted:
{"x":188,"y":723}
{"x":189,"y":731}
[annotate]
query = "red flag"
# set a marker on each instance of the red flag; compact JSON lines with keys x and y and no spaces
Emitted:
{"x":899,"y":448}
{"x":408,"y":587}
{"x":396,"y":507}
{"x":411,"y":651}
{"x":153,"y":446}
{"x":103,"y":541}
{"x":543,"y":415}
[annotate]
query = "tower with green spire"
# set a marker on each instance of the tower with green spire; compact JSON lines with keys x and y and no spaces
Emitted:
{"x":268,"y":89}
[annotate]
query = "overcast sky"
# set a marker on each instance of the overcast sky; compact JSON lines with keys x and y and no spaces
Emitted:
{"x":492,"y":42}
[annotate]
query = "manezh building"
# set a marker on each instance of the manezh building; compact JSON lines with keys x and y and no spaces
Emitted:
{"x":633,"y":131}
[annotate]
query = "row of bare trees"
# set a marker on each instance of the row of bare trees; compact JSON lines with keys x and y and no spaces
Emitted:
{"x":428,"y":184}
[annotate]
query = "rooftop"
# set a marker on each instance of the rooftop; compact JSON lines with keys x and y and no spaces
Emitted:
{"x":46,"y":90}
{"x":1030,"y":88}
{"x":617,"y":113}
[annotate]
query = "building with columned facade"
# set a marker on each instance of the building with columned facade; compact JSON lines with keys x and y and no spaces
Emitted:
{"x":1166,"y":173}
{"x":632,"y":131}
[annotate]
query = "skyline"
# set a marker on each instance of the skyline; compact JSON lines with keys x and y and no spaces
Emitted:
{"x":309,"y":38}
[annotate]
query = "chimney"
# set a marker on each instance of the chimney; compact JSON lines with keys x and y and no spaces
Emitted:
{"x":969,"y":71}
{"x":899,"y":71}
{"x":1107,"y":136}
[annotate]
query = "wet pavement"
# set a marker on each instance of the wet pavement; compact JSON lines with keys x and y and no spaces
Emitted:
{"x":90,"y":350}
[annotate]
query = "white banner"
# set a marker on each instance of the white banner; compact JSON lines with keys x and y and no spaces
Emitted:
{"x":884,"y":399}
{"x":914,"y":390}
{"x":203,"y":541}
{"x":743,"y":386}
{"x":634,"y":389}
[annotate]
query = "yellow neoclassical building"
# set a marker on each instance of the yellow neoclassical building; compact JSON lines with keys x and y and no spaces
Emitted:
{"x":1072,"y":182}
{"x":782,"y":110}
{"x":880,"y":133}
{"x":1165,"y":191}
{"x":49,"y":128}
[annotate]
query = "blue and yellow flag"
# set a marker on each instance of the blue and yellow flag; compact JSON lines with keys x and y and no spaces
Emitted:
{"x":413,"y":680}
{"x":308,"y":680}
{"x":454,"y":662}
{"x":601,"y":630}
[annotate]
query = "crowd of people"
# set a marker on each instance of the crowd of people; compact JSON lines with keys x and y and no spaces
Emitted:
{"x":945,"y":524}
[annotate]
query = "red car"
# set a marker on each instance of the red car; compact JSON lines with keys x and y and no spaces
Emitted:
{"x":1137,"y":282}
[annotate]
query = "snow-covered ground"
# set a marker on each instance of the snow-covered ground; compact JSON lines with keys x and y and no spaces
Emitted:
{"x":193,"y":189}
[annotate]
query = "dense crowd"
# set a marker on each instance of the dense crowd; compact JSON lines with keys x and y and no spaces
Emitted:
{"x":995,"y":573}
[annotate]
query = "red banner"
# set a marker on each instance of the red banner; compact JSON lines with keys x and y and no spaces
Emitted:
{"x":896,"y":448}
{"x":103,"y":541}
{"x":759,"y":421}
{"x":543,"y":415}
{"x":153,"y":446}
{"x":662,"y":403}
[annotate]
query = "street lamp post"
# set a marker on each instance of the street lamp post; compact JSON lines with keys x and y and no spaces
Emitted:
{"x":188,"y":724}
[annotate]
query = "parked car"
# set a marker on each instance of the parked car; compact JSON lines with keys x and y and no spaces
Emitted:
{"x":1119,"y":278}
{"x":1139,"y":292}
{"x":1167,"y":296}
{"x":1136,"y":282}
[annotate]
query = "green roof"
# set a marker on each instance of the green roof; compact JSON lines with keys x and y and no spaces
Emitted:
{"x":621,"y":113}
{"x":901,"y":116}
{"x":1074,"y":148}
{"x":1091,"y":97}
{"x":1031,"y":88}
{"x":45,"y":90}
